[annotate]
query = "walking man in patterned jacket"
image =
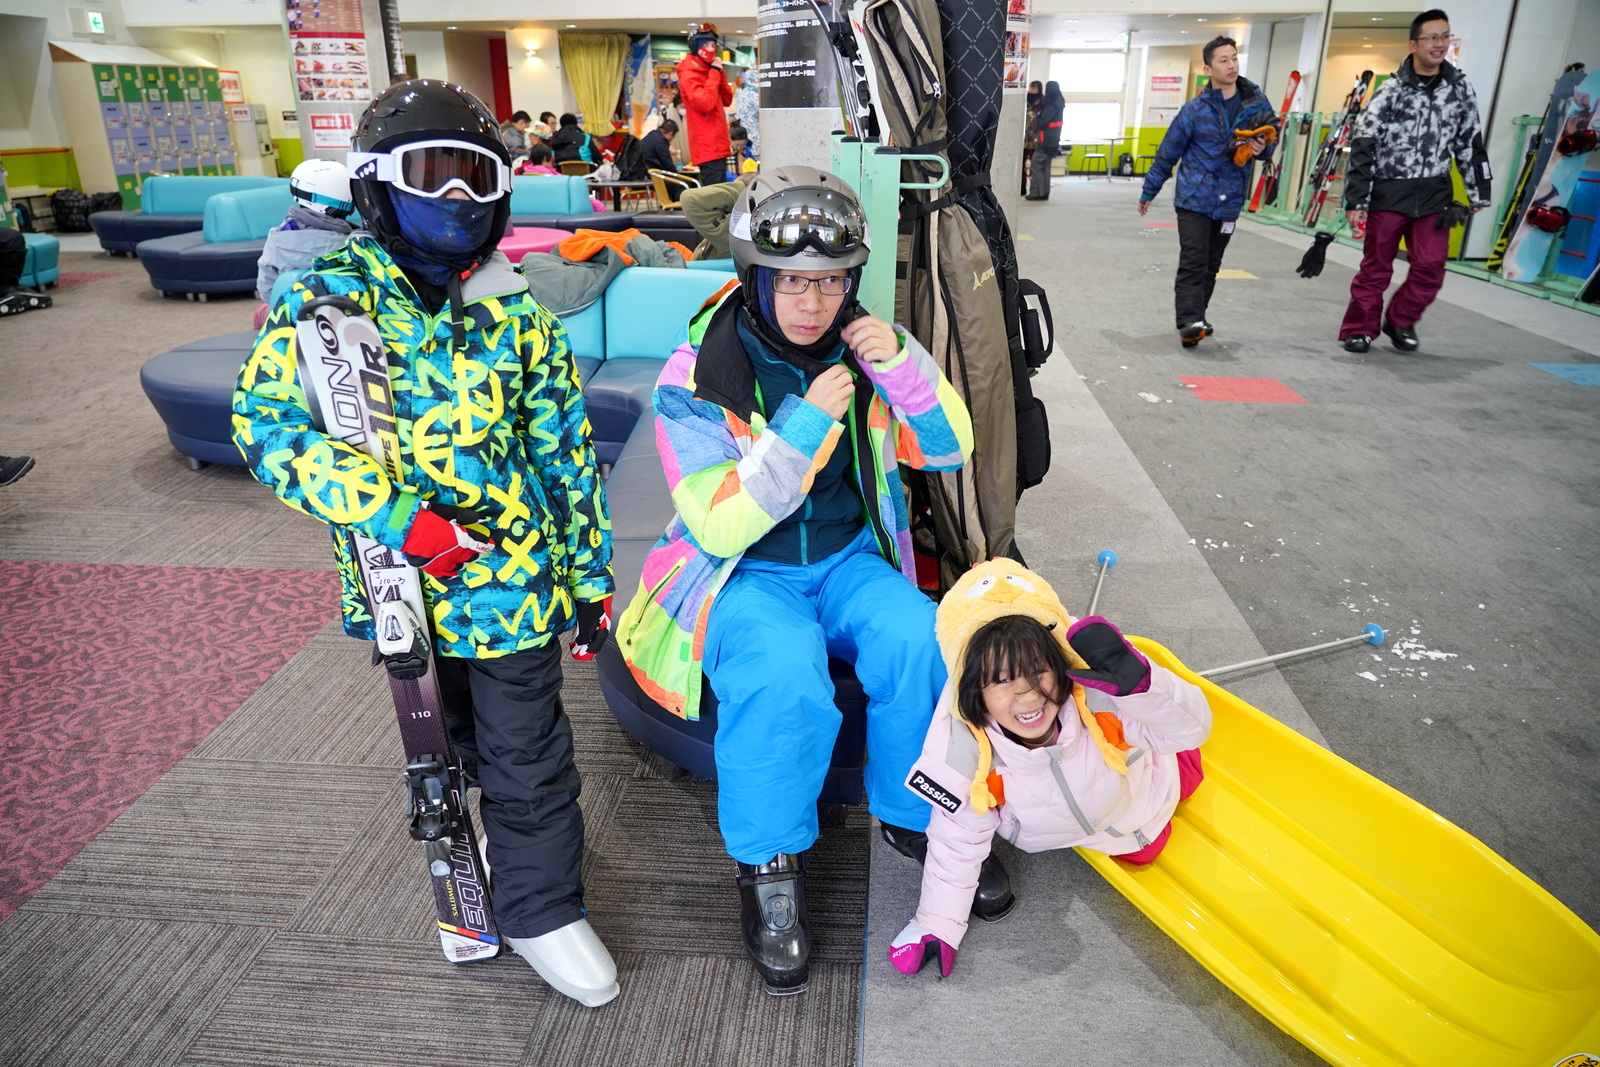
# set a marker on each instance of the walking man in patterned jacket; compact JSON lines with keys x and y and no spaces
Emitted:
{"x":1214,"y":181}
{"x":1398,"y":186}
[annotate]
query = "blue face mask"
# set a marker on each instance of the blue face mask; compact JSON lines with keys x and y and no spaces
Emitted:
{"x":448,"y":232}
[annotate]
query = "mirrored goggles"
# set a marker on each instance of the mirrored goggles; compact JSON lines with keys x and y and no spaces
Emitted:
{"x":813,"y":218}
{"x":433,"y":168}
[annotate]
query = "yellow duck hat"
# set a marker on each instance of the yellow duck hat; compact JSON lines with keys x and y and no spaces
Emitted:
{"x":993,"y":590}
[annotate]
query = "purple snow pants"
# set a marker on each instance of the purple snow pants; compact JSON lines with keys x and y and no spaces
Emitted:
{"x":1426,"y":249}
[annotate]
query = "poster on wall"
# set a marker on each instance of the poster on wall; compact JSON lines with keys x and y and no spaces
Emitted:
{"x":641,"y":85}
{"x":332,"y":130}
{"x":1163,"y":97}
{"x":789,"y":42}
{"x":328,"y":50}
{"x":1019,"y":28}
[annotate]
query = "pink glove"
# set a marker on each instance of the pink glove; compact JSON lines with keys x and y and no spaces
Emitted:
{"x":912,"y":950}
{"x":439,"y":541}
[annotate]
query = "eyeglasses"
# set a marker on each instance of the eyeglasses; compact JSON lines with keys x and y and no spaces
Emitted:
{"x":796,"y":219}
{"x":433,"y":168}
{"x":794,"y":285}
{"x":1434,"y":38}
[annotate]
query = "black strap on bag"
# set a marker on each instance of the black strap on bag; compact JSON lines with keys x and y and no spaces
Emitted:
{"x":1035,"y":345}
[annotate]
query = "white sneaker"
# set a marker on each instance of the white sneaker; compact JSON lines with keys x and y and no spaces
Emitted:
{"x":573,"y":961}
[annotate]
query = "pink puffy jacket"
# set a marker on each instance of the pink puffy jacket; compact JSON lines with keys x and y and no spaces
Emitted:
{"x":1059,"y":796}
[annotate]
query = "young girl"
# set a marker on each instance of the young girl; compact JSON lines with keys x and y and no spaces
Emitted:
{"x":1050,"y":732}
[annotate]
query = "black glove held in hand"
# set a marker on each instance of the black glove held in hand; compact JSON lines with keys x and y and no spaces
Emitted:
{"x":1316,"y":256}
{"x":594,"y":626}
{"x":1452,"y":216}
{"x":1116,"y":667}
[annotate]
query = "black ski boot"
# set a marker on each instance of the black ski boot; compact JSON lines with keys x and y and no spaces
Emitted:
{"x":992,"y":902}
{"x":15,"y":300}
{"x":1359,"y":343}
{"x":1403,"y":337}
{"x":777,"y":931}
{"x":1193,"y":333}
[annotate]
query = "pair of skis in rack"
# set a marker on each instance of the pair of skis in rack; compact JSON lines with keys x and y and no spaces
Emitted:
{"x":1328,"y":166}
{"x":1267,"y":182}
{"x":345,"y":374}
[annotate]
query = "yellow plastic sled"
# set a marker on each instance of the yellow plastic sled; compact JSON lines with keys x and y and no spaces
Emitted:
{"x":1361,"y":923}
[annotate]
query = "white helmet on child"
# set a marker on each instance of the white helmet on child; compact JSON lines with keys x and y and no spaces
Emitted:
{"x":322,"y":185}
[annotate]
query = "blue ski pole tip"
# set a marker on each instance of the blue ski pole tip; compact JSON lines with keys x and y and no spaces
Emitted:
{"x":1106,"y":558}
{"x":1374,"y":634}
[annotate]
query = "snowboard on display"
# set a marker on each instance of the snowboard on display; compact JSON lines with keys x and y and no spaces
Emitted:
{"x":345,"y":375}
{"x":1552,"y":216}
{"x":1534,"y":161}
{"x":1335,"y":145}
{"x":1267,"y":183}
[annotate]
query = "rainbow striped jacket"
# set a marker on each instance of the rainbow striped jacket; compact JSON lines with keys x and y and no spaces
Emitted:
{"x":734,"y":474}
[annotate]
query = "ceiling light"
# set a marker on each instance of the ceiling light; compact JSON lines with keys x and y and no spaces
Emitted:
{"x":1377,"y":18}
{"x":449,"y":27}
{"x":1366,"y":46}
{"x":1202,"y":20}
{"x":572,"y":25}
{"x":1183,"y":31}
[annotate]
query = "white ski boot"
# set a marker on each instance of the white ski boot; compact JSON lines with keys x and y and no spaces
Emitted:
{"x":573,"y":961}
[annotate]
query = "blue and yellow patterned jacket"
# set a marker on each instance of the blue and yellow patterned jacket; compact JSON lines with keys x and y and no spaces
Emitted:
{"x":499,"y":426}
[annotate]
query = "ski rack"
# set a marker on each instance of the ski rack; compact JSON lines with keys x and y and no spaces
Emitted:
{"x":874,"y":170}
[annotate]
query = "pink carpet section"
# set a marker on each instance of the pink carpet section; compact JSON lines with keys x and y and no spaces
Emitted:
{"x":110,"y":674}
{"x":1243,"y":390}
{"x":68,"y":279}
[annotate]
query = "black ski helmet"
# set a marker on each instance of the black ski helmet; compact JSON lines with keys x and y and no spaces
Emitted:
{"x":421,"y":109}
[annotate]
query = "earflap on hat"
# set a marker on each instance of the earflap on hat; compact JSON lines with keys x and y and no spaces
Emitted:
{"x":993,"y":590}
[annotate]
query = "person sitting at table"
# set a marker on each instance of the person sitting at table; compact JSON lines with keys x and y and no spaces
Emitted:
{"x":657,"y":145}
{"x":570,"y":142}
{"x":541,"y":160}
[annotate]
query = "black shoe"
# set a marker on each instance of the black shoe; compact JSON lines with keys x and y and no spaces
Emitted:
{"x":1194,"y":333}
{"x":992,"y":902}
{"x":777,"y":931}
{"x":1404,"y":337}
{"x":14,"y":467}
{"x":14,"y":300}
{"x":1359,"y":343}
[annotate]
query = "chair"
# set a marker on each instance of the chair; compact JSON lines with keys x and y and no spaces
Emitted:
{"x":1146,"y":160}
{"x":575,"y":166}
{"x":1105,"y":165}
{"x":670,"y":186}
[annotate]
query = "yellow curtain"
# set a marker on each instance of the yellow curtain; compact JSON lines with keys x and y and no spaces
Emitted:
{"x":594,"y":64}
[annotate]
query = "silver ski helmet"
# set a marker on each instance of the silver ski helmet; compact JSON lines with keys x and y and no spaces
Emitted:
{"x":797,"y":218}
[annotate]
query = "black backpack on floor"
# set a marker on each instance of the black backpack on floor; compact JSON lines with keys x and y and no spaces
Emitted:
{"x":105,"y":202}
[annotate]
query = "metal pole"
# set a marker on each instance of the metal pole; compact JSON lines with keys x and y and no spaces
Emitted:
{"x":1372,"y":635}
{"x":1107,"y":559}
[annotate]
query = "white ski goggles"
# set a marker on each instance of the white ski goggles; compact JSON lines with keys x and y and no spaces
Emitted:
{"x":433,"y":168}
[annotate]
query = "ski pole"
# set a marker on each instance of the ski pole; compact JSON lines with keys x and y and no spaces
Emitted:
{"x":1107,"y":559}
{"x":1372,"y":635}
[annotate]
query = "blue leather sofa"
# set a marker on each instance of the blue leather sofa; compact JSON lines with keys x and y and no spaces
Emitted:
{"x":41,"y":261}
{"x":168,"y":204}
{"x":221,"y":257}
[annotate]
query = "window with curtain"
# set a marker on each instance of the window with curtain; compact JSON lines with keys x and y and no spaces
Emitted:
{"x":594,"y":64}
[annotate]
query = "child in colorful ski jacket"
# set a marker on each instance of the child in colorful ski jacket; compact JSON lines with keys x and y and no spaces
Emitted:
{"x":501,"y":505}
{"x":1212,"y":188}
{"x":1052,"y":733}
{"x":781,"y":424}
{"x":1398,"y":185}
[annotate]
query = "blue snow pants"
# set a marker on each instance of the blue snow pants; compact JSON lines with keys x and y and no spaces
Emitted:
{"x":772,"y":628}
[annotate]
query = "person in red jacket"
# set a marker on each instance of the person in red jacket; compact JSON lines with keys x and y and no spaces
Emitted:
{"x":706,"y":92}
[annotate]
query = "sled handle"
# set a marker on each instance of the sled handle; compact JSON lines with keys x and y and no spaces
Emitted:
{"x":944,"y":170}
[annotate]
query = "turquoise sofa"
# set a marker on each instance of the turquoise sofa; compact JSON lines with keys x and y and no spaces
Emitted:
{"x":221,"y":257}
{"x":168,"y":204}
{"x":41,"y":263}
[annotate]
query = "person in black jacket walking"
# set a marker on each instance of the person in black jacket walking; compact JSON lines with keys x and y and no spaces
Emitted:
{"x":1398,"y":184}
{"x":1047,"y":144}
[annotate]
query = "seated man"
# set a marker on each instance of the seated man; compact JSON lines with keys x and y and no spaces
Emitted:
{"x":782,"y":422}
{"x":657,"y":145}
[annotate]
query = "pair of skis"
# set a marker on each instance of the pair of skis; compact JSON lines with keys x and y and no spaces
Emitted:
{"x":1334,"y":146}
{"x":1267,"y":183}
{"x":345,"y":375}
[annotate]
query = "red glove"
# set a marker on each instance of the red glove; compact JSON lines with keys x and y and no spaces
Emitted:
{"x":914,"y":947}
{"x":439,"y":542}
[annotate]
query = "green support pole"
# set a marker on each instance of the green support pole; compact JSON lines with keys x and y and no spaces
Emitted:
{"x":873,"y":170}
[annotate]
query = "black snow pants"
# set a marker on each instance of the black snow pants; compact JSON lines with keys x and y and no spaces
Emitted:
{"x":510,"y":731}
{"x":1201,"y":244}
{"x":13,"y":255}
{"x":1039,"y":173}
